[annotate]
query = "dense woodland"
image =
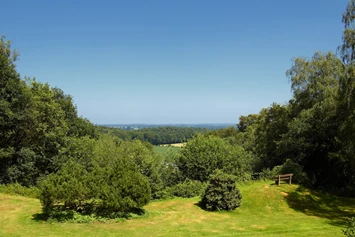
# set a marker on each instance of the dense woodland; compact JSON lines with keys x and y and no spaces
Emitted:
{"x":79,"y":167}
{"x":155,"y":135}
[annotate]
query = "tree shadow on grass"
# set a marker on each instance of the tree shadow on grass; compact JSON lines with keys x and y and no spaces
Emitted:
{"x":62,"y":215}
{"x":200,"y":205}
{"x":335,"y":209}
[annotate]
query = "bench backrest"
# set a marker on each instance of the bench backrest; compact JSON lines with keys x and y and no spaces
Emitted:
{"x":283,"y":176}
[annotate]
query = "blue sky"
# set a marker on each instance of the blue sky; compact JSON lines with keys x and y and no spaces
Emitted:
{"x":169,"y":61}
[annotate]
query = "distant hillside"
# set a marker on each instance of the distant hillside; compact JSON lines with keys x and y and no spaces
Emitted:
{"x":136,"y":126}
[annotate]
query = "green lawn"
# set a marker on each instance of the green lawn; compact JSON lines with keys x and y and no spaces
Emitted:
{"x":164,"y":150}
{"x":267,"y":210}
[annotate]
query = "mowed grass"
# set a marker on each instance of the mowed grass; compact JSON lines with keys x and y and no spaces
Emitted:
{"x":165,"y":150}
{"x":267,"y":210}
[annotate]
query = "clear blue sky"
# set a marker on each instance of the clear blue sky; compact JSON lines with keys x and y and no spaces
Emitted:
{"x":169,"y":61}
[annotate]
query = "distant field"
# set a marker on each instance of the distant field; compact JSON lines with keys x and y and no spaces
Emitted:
{"x":267,"y":210}
{"x":175,"y":144}
{"x":163,"y":150}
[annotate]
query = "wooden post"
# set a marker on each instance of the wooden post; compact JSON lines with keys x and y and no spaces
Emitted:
{"x":279,"y":181}
{"x":290,"y":179}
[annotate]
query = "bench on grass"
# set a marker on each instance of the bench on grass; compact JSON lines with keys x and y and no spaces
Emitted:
{"x":280,"y":177}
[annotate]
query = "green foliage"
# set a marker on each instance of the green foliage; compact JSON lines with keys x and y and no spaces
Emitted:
{"x":312,"y":134}
{"x":347,"y":51}
{"x":230,"y":135}
{"x":188,"y":188}
{"x":221,"y":193}
{"x":314,"y":130}
{"x":156,"y":136}
{"x":68,"y":186}
{"x":289,"y":167}
{"x":299,"y":176}
{"x":271,"y":126}
{"x":71,"y":216}
{"x":25,"y":170}
{"x":149,"y":164}
{"x":269,"y":174}
{"x":246,"y":121}
{"x":171,"y":175}
{"x":164,"y":194}
{"x":97,"y":176}
{"x":203,"y":155}
{"x":18,"y":189}
{"x":350,"y":230}
{"x":120,"y":187}
{"x":35,"y":123}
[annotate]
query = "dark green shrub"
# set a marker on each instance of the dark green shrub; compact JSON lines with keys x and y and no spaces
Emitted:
{"x":164,"y":194}
{"x":147,"y":162}
{"x":203,"y":155}
{"x":186,"y":189}
{"x":116,"y":187}
{"x":299,"y":176}
{"x":221,"y":193}
{"x":267,"y":174}
{"x":189,"y":188}
{"x":120,"y":187}
{"x":101,"y":180}
{"x":350,"y":231}
{"x":68,"y":187}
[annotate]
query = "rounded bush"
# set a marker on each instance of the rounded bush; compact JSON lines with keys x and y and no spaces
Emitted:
{"x":221,"y":193}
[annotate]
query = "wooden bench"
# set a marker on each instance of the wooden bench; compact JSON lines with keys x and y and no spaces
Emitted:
{"x":280,"y":177}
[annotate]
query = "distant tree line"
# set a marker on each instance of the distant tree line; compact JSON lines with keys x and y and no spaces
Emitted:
{"x":155,"y":135}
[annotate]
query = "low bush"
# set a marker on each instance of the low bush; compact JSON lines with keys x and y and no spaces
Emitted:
{"x":189,"y":188}
{"x":186,"y":189}
{"x":103,"y":180}
{"x":114,"y":188}
{"x":267,"y":174}
{"x":221,"y":193}
{"x":18,"y":189}
{"x":350,"y":231}
{"x":164,"y":194}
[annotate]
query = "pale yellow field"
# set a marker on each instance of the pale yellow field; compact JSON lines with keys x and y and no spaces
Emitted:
{"x":175,"y":144}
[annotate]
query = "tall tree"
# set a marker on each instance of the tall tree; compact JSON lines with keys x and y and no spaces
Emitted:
{"x":269,"y":129}
{"x":346,"y":110}
{"x":13,"y":101}
{"x":35,"y":121}
{"x":312,"y":136}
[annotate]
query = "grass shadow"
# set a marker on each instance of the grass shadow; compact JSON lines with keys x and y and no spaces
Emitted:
{"x":66,"y":215}
{"x":199,"y":204}
{"x":335,"y":209}
{"x":40,"y":217}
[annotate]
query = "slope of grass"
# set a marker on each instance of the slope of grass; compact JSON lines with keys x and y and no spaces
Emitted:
{"x":267,"y":210}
